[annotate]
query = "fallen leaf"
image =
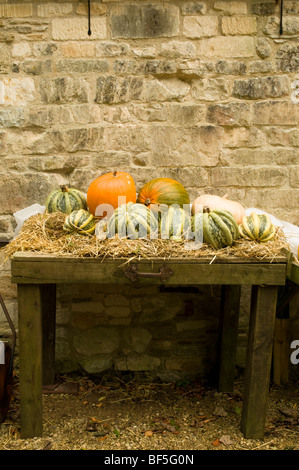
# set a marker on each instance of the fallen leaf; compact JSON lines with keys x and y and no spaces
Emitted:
{"x":95,"y":420}
{"x":216,"y":443}
{"x":100,"y":404}
{"x":148,"y":433}
{"x":226,"y":440}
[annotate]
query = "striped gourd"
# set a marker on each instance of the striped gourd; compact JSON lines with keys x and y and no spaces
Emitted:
{"x":175,"y":224}
{"x":217,"y":228}
{"x":80,"y":221}
{"x":132,"y":221}
{"x":65,"y":200}
{"x":257,"y":227}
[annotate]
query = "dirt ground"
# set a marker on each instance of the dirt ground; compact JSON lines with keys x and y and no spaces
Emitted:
{"x":112,"y":413}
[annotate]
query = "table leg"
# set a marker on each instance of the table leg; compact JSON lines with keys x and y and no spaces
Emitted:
{"x":258,"y":361}
{"x":228,"y":333}
{"x":30,"y":359}
{"x":48,"y":299}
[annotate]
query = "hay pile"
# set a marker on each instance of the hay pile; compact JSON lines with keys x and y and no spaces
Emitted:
{"x":43,"y":233}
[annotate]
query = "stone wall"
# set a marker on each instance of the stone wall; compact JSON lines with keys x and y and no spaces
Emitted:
{"x":204,"y":92}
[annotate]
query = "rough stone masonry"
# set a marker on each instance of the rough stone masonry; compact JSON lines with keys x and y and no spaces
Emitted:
{"x":204,"y":92}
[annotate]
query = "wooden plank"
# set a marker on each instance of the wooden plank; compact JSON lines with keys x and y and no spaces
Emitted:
{"x":258,"y":361}
{"x":77,"y":270}
{"x":294,"y":273}
{"x":30,"y":360}
{"x":228,"y":332}
{"x":48,"y":298}
{"x":281,"y":351}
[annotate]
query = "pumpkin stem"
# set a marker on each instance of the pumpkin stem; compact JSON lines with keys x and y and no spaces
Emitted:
{"x":114,"y":173}
{"x":147,"y":202}
{"x":64,"y":188}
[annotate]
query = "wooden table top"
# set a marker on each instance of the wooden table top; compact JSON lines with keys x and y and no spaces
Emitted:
{"x":35,"y":268}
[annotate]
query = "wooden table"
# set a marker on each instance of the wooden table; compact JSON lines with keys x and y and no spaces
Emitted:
{"x":37,"y":275}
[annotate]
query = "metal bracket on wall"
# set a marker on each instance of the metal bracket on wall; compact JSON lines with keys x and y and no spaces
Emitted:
{"x":89,"y":29}
{"x":281,"y":15}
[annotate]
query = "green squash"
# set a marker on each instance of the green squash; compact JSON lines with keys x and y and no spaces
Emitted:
{"x":175,"y":224}
{"x":217,"y":228}
{"x":65,"y":200}
{"x":132,"y":221}
{"x":80,"y":221}
{"x":257,"y":227}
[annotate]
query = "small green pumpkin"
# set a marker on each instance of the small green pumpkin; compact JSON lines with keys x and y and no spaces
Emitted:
{"x":257,"y":227}
{"x":175,"y":224}
{"x":65,"y":200}
{"x":80,"y":221}
{"x":132,"y":221}
{"x":217,"y":228}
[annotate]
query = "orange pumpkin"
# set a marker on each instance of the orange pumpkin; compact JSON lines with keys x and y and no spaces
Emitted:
{"x":165,"y":191}
{"x":113,"y":189}
{"x":214,"y":202}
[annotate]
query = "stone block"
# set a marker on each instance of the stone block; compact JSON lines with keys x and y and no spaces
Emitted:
{"x":133,"y":138}
{"x":290,"y":26}
{"x":16,"y":10}
{"x":137,"y":362}
{"x":21,"y":49}
{"x":249,"y":177}
{"x":200,"y":26}
{"x":64,"y":29}
{"x":144,"y":21}
{"x":263,"y":47}
{"x":96,"y":8}
{"x":244,"y":137}
{"x":194,"y":146}
{"x":77,"y":139}
{"x":54,"y":9}
{"x":230,"y":114}
{"x":17,"y":91}
{"x":82,"y":66}
{"x":281,"y":113}
{"x":99,"y":340}
{"x":261,"y":67}
{"x":64,"y":90}
{"x":210,"y":89}
{"x":177,"y":49}
{"x":165,"y":90}
{"x":263,"y":8}
{"x":12,"y":117}
{"x":261,"y":88}
{"x":111,"y":89}
{"x":138,"y":339}
{"x":192,"y":8}
{"x":287,"y":57}
{"x":78,"y":49}
{"x":35,"y":66}
{"x":230,"y":67}
{"x":238,"y":25}
{"x":228,"y":46}
{"x":231,"y":8}
{"x":27,"y":188}
{"x":184,"y":114}
{"x":111,"y":49}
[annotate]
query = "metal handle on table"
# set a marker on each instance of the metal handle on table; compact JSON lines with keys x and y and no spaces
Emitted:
{"x":133,"y":274}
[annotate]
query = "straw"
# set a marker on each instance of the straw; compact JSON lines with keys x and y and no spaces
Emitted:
{"x":44,"y":234}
